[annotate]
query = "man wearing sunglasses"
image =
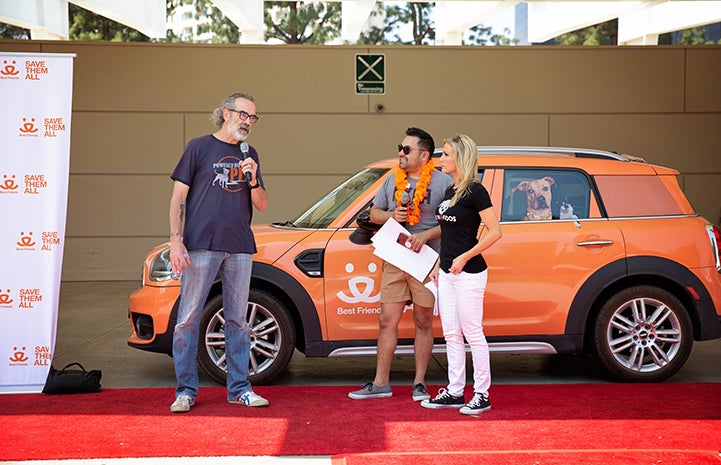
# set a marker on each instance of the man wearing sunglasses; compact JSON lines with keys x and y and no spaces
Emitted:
{"x":411,"y":197}
{"x":217,"y":184}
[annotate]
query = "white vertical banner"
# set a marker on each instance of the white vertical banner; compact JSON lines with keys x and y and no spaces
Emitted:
{"x":36,"y":95}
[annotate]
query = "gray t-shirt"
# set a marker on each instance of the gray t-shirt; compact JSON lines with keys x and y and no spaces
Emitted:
{"x":385,"y":200}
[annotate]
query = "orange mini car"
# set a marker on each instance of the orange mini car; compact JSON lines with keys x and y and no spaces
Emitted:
{"x":611,"y":259}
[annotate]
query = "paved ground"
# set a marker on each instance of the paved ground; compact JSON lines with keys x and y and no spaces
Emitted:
{"x":93,"y":328}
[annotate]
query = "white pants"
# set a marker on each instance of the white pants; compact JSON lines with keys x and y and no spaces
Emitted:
{"x":460,"y":298}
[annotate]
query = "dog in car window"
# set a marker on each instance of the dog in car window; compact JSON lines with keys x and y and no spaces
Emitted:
{"x":538,"y":198}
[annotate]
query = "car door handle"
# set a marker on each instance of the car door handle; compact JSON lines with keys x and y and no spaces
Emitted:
{"x":595,"y":243}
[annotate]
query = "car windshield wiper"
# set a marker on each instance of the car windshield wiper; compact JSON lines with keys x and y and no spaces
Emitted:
{"x":287,"y":223}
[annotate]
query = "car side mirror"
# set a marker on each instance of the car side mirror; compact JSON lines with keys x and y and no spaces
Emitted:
{"x":365,"y":230}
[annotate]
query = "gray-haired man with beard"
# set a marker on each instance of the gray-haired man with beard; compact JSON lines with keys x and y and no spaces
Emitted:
{"x":216,"y":186}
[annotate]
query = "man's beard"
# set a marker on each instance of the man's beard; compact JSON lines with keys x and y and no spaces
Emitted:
{"x":240,"y":135}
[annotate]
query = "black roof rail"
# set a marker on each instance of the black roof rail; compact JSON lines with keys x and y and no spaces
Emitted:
{"x":550,"y":151}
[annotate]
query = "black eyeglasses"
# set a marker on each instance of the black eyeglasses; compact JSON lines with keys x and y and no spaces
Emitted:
{"x":406,"y":149}
{"x":244,"y":115}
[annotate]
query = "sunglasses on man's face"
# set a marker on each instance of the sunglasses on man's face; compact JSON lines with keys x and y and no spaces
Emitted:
{"x":406,"y":149}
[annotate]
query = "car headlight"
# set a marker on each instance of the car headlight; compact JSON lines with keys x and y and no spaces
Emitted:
{"x":161,"y":269}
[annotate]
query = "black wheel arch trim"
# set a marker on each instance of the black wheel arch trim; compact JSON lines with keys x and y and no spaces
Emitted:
{"x":309,"y":322}
{"x":647,"y":269}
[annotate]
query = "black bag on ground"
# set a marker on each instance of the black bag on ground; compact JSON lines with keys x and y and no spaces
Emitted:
{"x":72,"y":381}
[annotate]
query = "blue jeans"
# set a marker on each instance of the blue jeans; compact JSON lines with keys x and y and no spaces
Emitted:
{"x":197,"y":279}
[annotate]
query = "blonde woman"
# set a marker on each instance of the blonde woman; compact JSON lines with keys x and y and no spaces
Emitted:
{"x":461,"y":275}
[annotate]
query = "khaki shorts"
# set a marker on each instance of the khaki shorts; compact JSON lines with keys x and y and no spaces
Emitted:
{"x":399,"y":286}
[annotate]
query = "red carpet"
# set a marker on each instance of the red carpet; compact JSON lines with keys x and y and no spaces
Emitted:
{"x":544,"y":424}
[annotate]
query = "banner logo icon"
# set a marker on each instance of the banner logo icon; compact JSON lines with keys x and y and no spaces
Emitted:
{"x":9,"y":71}
{"x":5,"y":299}
{"x":28,"y":128}
{"x":19,"y":356}
{"x":8,"y":184}
{"x":26,"y":241}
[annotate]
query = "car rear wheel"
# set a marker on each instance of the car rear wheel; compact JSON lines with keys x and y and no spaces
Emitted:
{"x":272,"y":339}
{"x":643,"y":334}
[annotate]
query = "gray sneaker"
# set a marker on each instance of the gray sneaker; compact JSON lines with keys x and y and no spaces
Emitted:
{"x":371,"y":391}
{"x":420,"y":393}
{"x":182,"y":404}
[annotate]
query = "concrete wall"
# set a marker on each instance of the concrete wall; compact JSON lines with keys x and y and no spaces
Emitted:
{"x":136,"y":105}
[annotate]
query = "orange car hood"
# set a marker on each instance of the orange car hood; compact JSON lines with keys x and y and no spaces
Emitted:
{"x":274,"y":241}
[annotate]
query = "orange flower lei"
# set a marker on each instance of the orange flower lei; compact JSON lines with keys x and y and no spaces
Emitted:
{"x":414,"y":211}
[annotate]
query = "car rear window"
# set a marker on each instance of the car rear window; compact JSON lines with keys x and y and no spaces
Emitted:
{"x":625,"y":196}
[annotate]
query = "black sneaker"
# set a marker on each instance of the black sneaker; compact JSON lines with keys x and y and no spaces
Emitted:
{"x":444,"y":399}
{"x":371,"y":391}
{"x":478,"y":404}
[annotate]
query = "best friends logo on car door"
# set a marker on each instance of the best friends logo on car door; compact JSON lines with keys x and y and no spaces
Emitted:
{"x":352,"y":291}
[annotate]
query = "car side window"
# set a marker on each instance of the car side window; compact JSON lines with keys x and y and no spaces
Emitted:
{"x":545,"y":194}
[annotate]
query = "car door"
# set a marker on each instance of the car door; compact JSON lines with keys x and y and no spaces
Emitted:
{"x":352,"y":292}
{"x":537,"y":267}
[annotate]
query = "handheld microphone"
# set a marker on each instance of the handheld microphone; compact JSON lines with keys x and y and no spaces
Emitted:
{"x":244,"y":152}
{"x":405,"y":200}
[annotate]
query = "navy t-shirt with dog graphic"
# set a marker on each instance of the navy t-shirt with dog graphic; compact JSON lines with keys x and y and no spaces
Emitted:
{"x":218,"y":207}
{"x":459,"y":226}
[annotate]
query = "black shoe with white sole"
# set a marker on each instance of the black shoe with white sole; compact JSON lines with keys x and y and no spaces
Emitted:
{"x":444,"y":399}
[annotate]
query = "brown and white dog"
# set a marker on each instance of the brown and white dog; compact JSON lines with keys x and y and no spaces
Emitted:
{"x":538,"y":198}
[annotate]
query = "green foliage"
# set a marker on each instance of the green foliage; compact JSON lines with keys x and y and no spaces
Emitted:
{"x":210,"y":20}
{"x":415,"y":15}
{"x":372,"y":34}
{"x":691,"y":36}
{"x":86,"y":25}
{"x":223,"y":30}
{"x":8,"y":31}
{"x":481,"y":35}
{"x":599,"y":34}
{"x":302,"y":22}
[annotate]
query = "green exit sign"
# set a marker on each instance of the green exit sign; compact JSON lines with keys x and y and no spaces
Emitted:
{"x":370,"y":74}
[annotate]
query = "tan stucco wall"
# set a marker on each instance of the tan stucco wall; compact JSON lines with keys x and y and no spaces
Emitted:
{"x":136,"y":105}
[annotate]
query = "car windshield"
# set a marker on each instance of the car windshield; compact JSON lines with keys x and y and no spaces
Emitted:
{"x":327,"y":209}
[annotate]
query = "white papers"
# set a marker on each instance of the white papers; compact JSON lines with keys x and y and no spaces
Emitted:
{"x":387,"y":247}
{"x":433,"y":287}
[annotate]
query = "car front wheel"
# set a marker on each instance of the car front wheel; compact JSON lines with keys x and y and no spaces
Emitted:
{"x":272,"y":338}
{"x":643,"y":334}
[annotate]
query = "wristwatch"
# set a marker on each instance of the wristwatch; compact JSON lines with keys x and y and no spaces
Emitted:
{"x":257,"y":185}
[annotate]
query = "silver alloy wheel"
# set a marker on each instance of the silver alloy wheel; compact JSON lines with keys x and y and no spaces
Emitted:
{"x":644,"y":334}
{"x":266,"y":339}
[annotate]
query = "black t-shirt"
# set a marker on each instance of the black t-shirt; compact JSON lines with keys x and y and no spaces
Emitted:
{"x":459,"y":226}
{"x":219,"y":208}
